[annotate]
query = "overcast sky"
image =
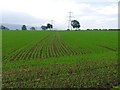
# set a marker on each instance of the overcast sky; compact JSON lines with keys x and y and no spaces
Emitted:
{"x":90,"y":13}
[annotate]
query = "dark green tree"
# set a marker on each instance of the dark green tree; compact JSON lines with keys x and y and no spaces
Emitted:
{"x":44,"y":27}
{"x":49,"y":26}
{"x":32,"y":28}
{"x":24,"y":27}
{"x":4,"y":28}
{"x":75,"y":24}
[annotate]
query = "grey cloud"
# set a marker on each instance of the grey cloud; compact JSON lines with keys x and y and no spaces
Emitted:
{"x":23,"y":18}
{"x":16,"y":19}
{"x":20,"y":18}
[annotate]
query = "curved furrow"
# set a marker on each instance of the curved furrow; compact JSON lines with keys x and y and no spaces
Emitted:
{"x":70,"y":50}
{"x":61,"y":50}
{"x":66,"y":48}
{"x":54,"y":46}
{"x":108,"y":48}
{"x":48,"y":52}
{"x":20,"y":56}
{"x":27,"y":53}
{"x":14,"y":57}
{"x":51,"y":45}
{"x":14,"y":53}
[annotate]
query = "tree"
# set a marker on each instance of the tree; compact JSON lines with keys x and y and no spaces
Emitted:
{"x":75,"y":24}
{"x":24,"y":27}
{"x":49,"y":26}
{"x":44,"y":27}
{"x":4,"y":28}
{"x":68,"y":29}
{"x":32,"y":28}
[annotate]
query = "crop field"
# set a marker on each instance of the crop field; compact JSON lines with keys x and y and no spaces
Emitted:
{"x":60,"y":59}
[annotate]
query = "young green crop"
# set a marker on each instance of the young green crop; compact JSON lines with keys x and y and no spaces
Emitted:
{"x":59,"y":59}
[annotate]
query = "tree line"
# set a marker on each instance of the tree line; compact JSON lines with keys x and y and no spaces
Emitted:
{"x":74,"y":23}
{"x":24,"y":27}
{"x":48,"y":26}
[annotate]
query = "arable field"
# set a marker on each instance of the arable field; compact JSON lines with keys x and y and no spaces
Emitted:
{"x":60,"y":59}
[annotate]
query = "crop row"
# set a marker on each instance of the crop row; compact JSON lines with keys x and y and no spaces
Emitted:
{"x":51,"y":45}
